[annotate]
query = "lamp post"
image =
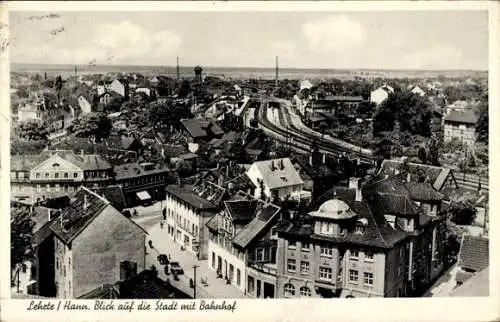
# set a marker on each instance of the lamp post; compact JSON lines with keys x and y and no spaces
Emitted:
{"x":194,"y":282}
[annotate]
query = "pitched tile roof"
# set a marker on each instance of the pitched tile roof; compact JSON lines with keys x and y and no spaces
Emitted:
{"x":186,"y":194}
{"x":242,"y":211}
{"x":422,"y":191}
{"x":474,"y":253}
{"x":133,"y":170}
{"x":317,"y":171}
{"x":466,"y":116}
{"x":27,"y":162}
{"x":85,"y":162}
{"x":378,"y":232}
{"x":114,"y":194}
{"x":278,"y":173}
{"x":262,"y":218}
{"x":201,"y":128}
{"x":74,"y":218}
{"x":437,"y":175}
{"x":145,"y":285}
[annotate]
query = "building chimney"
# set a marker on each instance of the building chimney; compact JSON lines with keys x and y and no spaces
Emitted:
{"x":81,"y":152}
{"x":85,"y":204}
{"x":324,"y":158}
{"x":272,"y":165}
{"x":282,"y":166}
{"x":408,"y":177}
{"x":353,"y":183}
{"x":49,"y":214}
{"x":311,"y":160}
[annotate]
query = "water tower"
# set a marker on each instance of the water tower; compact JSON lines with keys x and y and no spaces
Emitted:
{"x":197,"y":75}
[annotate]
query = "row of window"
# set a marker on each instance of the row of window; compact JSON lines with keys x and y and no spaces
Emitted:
{"x":183,"y":223}
{"x":354,"y":277}
{"x":289,"y":290}
{"x":326,"y":251}
{"x":56,"y":175}
{"x":55,"y":187}
{"x":230,"y":273}
{"x":144,"y":180}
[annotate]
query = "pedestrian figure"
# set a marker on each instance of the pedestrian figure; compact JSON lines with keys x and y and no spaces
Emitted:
{"x":161,"y":225}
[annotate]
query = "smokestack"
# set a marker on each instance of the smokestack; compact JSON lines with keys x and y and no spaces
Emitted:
{"x":311,"y":159}
{"x":49,"y":214}
{"x":324,"y":158}
{"x":178,"y":70}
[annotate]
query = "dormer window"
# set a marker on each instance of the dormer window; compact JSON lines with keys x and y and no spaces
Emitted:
{"x":55,"y":165}
{"x":360,"y":226}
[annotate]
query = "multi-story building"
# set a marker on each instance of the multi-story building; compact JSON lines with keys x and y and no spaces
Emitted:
{"x":275,"y":178}
{"x":461,"y":125}
{"x":242,"y":245}
{"x":143,"y":181}
{"x":414,"y":207}
{"x":54,"y":174}
{"x":341,"y":249}
{"x":84,"y":246}
{"x":188,"y":209}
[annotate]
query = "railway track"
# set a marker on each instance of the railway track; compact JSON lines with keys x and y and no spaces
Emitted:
{"x":288,"y":133}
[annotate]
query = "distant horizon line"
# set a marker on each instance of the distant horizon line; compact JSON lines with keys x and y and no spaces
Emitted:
{"x":257,"y":67}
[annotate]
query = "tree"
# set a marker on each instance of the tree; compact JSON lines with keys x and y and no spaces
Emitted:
{"x":422,"y":155}
{"x":18,"y":146}
{"x":411,"y":111}
{"x":482,"y":126}
{"x":184,"y":89}
{"x":94,"y":125}
{"x":32,"y":131}
{"x":21,"y":236}
{"x":453,"y":239}
{"x":462,"y":213}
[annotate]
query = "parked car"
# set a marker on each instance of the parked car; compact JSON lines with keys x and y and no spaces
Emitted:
{"x":163,"y":259}
{"x":176,"y":269}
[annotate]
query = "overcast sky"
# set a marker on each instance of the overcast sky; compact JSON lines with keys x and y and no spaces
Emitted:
{"x":387,"y":40}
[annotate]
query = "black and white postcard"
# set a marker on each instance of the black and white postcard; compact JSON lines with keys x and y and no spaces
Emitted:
{"x":178,"y":160}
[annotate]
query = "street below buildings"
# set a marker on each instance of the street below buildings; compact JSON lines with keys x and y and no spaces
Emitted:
{"x":164,"y":244}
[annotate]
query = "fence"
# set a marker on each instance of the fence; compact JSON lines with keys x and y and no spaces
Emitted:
{"x":471,"y":181}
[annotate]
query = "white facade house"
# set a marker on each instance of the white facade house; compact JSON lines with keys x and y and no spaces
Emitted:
{"x":84,"y":105}
{"x":144,"y":90}
{"x":117,"y":87}
{"x":381,"y":94}
{"x":461,"y":126}
{"x":418,"y":91}
{"x":188,"y":209}
{"x":277,"y":177}
{"x":27,"y":113}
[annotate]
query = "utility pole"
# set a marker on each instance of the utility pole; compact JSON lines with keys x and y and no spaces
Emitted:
{"x":194,"y":282}
{"x":277,"y":73}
